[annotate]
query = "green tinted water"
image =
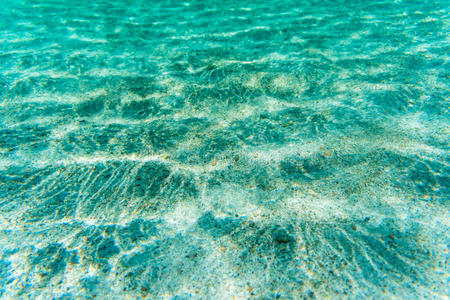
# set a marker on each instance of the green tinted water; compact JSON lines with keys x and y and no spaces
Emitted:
{"x":220,"y":149}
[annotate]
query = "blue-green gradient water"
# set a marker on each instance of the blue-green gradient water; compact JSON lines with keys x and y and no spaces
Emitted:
{"x":224,"y":149}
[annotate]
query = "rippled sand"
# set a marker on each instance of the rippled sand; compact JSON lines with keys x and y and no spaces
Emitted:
{"x":209,"y":150}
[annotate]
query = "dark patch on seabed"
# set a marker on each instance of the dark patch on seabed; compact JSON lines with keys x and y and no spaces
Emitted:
{"x":224,"y":150}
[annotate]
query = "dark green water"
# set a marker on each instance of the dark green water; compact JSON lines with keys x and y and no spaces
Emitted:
{"x":224,"y":149}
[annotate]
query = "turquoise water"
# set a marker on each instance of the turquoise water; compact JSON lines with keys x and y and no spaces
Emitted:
{"x":224,"y":149}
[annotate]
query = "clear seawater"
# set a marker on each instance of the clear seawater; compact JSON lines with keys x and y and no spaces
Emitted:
{"x":224,"y":149}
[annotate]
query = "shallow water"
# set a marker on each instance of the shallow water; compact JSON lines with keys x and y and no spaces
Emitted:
{"x":210,"y":150}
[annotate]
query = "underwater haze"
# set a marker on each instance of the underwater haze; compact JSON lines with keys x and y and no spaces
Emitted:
{"x":224,"y":149}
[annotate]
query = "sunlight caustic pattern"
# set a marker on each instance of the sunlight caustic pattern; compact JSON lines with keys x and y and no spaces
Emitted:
{"x":224,"y":149}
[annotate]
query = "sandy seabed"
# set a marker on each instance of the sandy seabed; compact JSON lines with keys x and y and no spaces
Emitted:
{"x":224,"y":149}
